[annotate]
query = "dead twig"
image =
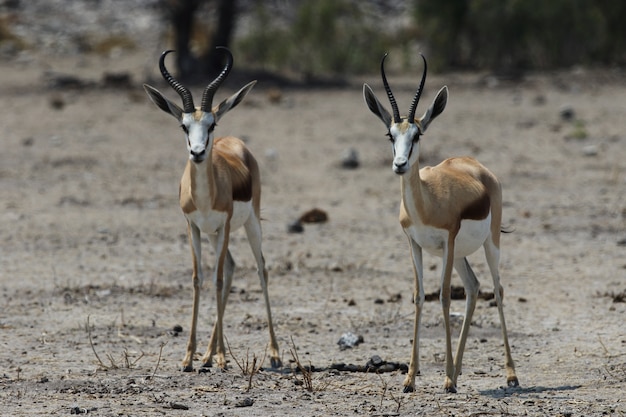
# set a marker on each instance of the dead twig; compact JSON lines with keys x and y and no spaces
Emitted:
{"x":247,"y":368}
{"x":307,"y":374}
{"x":92,"y":346}
{"x":159,"y":359}
{"x":397,"y":400}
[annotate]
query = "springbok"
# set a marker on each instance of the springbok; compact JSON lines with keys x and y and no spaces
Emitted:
{"x":219,"y":192}
{"x":449,"y":210}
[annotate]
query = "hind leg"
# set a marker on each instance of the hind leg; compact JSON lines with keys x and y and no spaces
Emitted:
{"x":253,"y":230}
{"x":471,"y":285}
{"x":492,"y":252}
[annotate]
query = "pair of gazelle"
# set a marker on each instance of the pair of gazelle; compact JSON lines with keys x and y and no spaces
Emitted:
{"x":449,"y":210}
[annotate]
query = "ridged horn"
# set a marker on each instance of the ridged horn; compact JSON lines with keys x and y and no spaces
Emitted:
{"x":182,"y":91}
{"x":392,"y":100}
{"x":209,"y":92}
{"x":418,"y":93}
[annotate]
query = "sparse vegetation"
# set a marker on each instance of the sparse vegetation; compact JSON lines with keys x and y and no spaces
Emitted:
{"x":514,"y":35}
{"x":326,"y":37}
{"x":247,"y":366}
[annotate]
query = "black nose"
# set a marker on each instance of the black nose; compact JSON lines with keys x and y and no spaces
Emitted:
{"x":197,"y":156}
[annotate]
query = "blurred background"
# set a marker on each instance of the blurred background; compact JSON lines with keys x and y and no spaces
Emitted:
{"x":310,"y":40}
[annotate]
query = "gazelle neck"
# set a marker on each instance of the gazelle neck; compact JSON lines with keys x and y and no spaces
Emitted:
{"x":413,"y":192}
{"x":202,"y":182}
{"x":412,"y":182}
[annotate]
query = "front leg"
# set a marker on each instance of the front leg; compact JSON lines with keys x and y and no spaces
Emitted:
{"x":418,"y":300}
{"x":194,"y":242}
{"x":217,"y":338}
{"x":446,"y":277}
{"x":229,"y":267}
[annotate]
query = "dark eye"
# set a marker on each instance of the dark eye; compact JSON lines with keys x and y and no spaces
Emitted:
{"x":212,"y":127}
{"x":416,"y":138}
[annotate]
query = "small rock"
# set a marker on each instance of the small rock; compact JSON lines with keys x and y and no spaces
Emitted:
{"x":57,"y":102}
{"x":176,"y":330}
{"x":567,"y":113}
{"x":349,"y":340}
{"x":375,"y":361}
{"x":295,"y":227}
{"x":246,"y":402}
{"x":178,"y":406}
{"x":590,"y":150}
{"x":314,"y":216}
{"x":350,"y":159}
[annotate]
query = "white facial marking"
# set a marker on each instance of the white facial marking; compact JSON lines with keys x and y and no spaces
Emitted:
{"x":199,"y":135}
{"x":405,"y":151}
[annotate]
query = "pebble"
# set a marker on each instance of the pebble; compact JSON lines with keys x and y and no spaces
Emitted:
{"x":590,"y":150}
{"x":567,"y":113}
{"x":350,"y":159}
{"x":349,"y":340}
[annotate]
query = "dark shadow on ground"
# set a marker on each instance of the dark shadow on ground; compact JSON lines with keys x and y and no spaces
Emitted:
{"x":503,"y":392}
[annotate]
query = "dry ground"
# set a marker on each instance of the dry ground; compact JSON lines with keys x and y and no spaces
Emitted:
{"x":95,"y":267}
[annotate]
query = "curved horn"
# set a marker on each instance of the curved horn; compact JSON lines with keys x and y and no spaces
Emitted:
{"x":418,"y":93}
{"x":182,"y":91}
{"x":209,"y":92}
{"x":392,"y":100}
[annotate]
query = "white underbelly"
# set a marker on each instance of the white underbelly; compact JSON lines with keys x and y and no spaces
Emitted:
{"x":470,"y":238}
{"x":210,"y":222}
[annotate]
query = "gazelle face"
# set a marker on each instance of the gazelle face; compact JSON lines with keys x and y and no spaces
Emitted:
{"x":198,"y":128}
{"x":404,"y":139}
{"x":197,"y":123}
{"x":404,"y":132}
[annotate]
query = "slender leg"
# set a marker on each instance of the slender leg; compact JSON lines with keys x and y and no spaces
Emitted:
{"x":446,"y":277}
{"x":221,"y":251}
{"x":253,"y":230}
{"x":471,"y":285}
{"x":492,"y":253}
{"x":229,"y":268}
{"x":194,"y":241}
{"x":418,"y":299}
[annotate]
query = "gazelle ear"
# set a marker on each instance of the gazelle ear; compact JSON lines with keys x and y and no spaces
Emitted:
{"x":435,"y":109}
{"x":233,"y":100}
{"x":375,"y":106}
{"x":163,"y":103}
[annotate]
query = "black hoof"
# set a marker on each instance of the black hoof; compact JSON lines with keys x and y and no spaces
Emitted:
{"x":276,"y":363}
{"x":450,"y":390}
{"x":188,"y":368}
{"x":407,"y":389}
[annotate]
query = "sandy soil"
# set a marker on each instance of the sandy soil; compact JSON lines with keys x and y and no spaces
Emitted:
{"x":95,"y":267}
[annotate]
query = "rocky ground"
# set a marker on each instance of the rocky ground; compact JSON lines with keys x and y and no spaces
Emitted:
{"x":95,"y":292}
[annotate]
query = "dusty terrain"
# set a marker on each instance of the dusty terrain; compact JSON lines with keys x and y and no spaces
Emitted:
{"x":95,"y":266}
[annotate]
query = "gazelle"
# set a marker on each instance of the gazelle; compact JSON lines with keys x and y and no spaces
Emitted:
{"x":449,"y":210}
{"x":220,"y":191}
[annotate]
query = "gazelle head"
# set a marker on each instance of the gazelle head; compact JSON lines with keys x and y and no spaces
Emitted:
{"x":404,"y":132}
{"x":198,"y":123}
